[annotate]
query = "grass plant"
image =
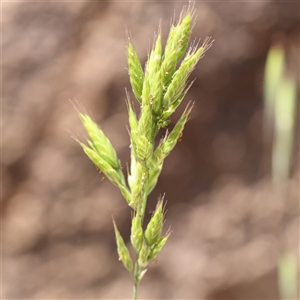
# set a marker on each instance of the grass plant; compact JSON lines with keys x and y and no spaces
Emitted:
{"x":280,"y":102}
{"x":159,"y":88}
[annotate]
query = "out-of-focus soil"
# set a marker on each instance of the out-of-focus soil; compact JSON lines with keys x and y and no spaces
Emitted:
{"x":229,"y":222}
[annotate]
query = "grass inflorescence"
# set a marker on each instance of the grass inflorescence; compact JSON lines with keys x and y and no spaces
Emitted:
{"x":159,"y":88}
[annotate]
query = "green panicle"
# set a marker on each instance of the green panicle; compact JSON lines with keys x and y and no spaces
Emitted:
{"x":154,"y":227}
{"x":136,"y":236}
{"x":136,"y":74}
{"x":157,"y":247}
{"x":100,"y":142}
{"x":123,"y":252}
{"x":159,"y":88}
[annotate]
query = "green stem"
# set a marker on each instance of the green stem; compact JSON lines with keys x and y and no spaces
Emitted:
{"x":135,"y":280}
{"x":135,"y":286}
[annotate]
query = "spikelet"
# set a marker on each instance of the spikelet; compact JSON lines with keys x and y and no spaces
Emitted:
{"x":123,"y":252}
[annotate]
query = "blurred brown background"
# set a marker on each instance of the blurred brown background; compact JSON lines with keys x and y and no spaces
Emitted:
{"x":58,"y":240}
